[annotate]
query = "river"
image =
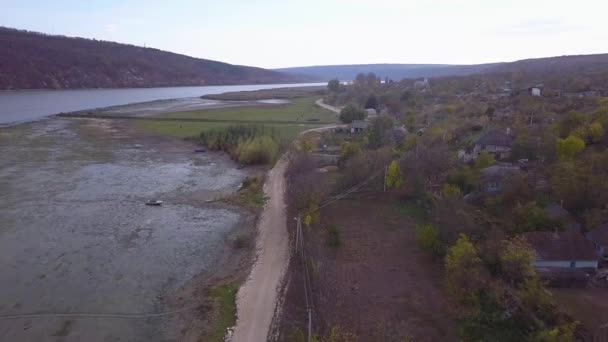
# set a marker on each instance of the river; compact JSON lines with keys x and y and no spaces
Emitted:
{"x":30,"y":105}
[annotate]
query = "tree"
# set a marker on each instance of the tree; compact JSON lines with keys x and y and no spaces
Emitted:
{"x":347,"y":151}
{"x":517,"y":260}
{"x":394,"y":178}
{"x":484,"y":160}
{"x":569,"y":147}
{"x":529,"y":217}
{"x":464,"y":270}
{"x":333,"y":85}
{"x":372,"y":102}
{"x":596,"y":131}
{"x":410,"y":121}
{"x":378,"y":132}
{"x":352,"y":112}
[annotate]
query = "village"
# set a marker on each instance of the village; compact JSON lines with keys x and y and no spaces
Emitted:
{"x":508,"y":169}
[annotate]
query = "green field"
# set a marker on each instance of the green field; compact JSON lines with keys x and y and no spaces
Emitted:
{"x":298,"y":114}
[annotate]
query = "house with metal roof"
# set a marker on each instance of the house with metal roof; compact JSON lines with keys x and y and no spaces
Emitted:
{"x":562,"y":250}
{"x":496,"y":142}
{"x":358,"y":126}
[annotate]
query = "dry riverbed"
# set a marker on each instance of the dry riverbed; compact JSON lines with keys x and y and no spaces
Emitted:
{"x":76,"y":237}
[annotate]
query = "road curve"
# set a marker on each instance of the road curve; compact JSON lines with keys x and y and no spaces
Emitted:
{"x":320,"y":103}
{"x":257,"y":298}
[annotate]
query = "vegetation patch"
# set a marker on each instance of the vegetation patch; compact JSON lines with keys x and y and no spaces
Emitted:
{"x":225,"y":300}
{"x":247,"y":144}
{"x":251,"y":195}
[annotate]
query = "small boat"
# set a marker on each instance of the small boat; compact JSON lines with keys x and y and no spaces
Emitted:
{"x":200,"y":150}
{"x":154,"y":202}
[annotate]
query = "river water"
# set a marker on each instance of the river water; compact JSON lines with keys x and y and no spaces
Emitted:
{"x":30,"y":105}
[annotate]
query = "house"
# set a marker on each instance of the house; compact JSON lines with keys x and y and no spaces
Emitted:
{"x":493,"y":177}
{"x":599,"y":237}
{"x":371,"y":112}
{"x":358,"y":126}
{"x":496,"y":142}
{"x":557,"y":213}
{"x":562,"y":250}
{"x":536,"y":90}
{"x":424,"y":84}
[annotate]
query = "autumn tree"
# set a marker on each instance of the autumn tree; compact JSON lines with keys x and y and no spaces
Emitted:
{"x":464,"y":270}
{"x":517,"y":260}
{"x":596,"y":131}
{"x":428,"y":238}
{"x":569,"y":147}
{"x":347,"y":151}
{"x":394,"y":178}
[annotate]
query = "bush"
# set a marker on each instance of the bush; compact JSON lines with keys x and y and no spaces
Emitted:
{"x":333,"y":236}
{"x":428,"y":238}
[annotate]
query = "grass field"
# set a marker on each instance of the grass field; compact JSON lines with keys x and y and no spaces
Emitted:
{"x":300,"y":110}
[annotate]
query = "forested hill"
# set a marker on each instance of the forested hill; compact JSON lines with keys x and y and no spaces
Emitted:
{"x":31,"y":60}
{"x":392,"y":71}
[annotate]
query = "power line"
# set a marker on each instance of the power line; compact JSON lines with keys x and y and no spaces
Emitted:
{"x":95,"y":315}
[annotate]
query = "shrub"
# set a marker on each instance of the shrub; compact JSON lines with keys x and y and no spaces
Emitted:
{"x":428,"y":238}
{"x":333,"y":236}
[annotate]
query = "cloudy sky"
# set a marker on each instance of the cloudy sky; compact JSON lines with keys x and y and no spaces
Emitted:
{"x":283,"y":33}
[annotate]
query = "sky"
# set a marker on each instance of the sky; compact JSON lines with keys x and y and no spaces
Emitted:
{"x":286,"y":33}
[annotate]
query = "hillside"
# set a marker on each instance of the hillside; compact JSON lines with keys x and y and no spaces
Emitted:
{"x":587,"y":65}
{"x":392,"y":71}
{"x":30,"y":60}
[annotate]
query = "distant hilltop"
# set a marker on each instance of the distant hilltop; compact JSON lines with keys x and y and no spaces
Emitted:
{"x":583,"y":64}
{"x":30,"y":60}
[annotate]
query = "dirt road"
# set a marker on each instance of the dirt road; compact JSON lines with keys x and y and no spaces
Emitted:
{"x":257,"y":298}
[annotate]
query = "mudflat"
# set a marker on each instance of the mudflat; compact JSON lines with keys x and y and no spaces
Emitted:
{"x":77,"y":238}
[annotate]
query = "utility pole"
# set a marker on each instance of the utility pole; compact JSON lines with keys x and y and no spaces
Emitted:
{"x":309,"y":324}
{"x":298,"y":233}
{"x":385,"y":174}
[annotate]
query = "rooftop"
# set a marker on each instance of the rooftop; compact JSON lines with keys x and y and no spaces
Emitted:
{"x":599,"y":235}
{"x":497,"y":138}
{"x":560,"y":246}
{"x":359,"y":124}
{"x":498,"y":171}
